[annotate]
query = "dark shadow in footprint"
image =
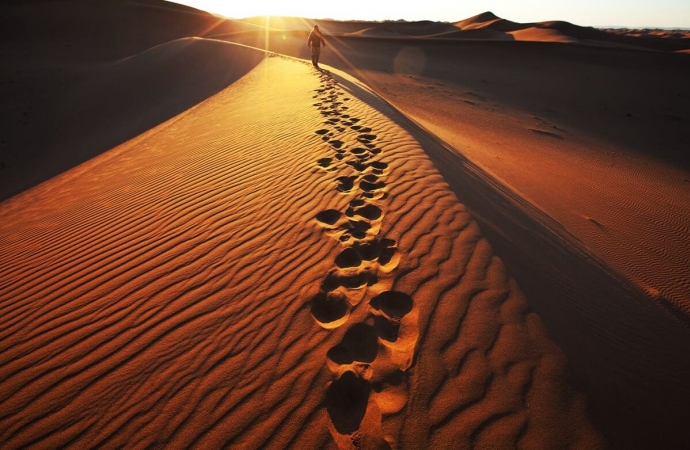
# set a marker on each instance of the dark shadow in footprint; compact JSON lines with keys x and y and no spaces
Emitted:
{"x":360,"y":344}
{"x":387,"y":329}
{"x":355,"y":281}
{"x":357,"y":165}
{"x":346,"y":402}
{"x":388,"y":250}
{"x":358,"y":228}
{"x":329,"y":307}
{"x":339,"y":156}
{"x":348,"y":258}
{"x":345,"y":184}
{"x":379,"y":165}
{"x":370,"y":212}
{"x":366,"y":130}
{"x":393,"y":303}
{"x":336,"y":143}
{"x":325,"y":162}
{"x":367,"y":186}
{"x":383,"y":249}
{"x":367,"y":137}
{"x":329,"y":216}
{"x":369,"y":251}
{"x":359,"y":151}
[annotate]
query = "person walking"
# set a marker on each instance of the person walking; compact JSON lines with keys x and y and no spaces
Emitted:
{"x":315,"y":41}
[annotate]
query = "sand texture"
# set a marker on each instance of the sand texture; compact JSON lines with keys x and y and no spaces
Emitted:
{"x":205,"y":242}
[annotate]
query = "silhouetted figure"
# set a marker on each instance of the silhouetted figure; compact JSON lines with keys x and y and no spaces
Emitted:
{"x":314,"y":42}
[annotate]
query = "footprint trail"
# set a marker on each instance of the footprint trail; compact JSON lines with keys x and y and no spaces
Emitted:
{"x":369,"y":364}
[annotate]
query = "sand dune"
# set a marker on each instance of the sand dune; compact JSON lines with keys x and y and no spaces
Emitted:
{"x":237,"y":277}
{"x":258,"y":254}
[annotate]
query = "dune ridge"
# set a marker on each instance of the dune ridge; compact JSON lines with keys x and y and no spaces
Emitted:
{"x":280,"y":266}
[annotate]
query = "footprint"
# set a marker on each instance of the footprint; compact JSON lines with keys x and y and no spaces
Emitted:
{"x":360,"y":344}
{"x":330,"y":309}
{"x":378,"y":165}
{"x":359,"y":151}
{"x":358,"y":165}
{"x":366,"y":137}
{"x":329,"y":216}
{"x":369,"y":186}
{"x":389,"y":309}
{"x":394,"y":304}
{"x":388,"y":252}
{"x":326,"y":163}
{"x":387,"y":329}
{"x":348,"y":258}
{"x":370,"y":212}
{"x":359,"y":280}
{"x":336,"y":143}
{"x":345,"y":184}
{"x":365,"y":130}
{"x":358,"y":228}
{"x":346,"y":402}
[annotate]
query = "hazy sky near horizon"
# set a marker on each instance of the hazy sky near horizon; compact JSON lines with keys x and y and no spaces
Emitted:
{"x":631,"y":13}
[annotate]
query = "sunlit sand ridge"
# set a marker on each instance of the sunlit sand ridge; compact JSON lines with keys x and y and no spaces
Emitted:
{"x":279,"y":266}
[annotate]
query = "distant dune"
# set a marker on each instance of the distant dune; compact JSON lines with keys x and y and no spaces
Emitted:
{"x":454,"y":235}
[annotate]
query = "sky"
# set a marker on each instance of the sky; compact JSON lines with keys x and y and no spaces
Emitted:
{"x":598,"y":13}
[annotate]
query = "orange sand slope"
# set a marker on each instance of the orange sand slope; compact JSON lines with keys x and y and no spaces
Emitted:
{"x":279,"y":266}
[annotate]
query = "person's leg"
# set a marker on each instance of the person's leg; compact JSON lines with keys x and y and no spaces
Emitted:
{"x":316,"y":52}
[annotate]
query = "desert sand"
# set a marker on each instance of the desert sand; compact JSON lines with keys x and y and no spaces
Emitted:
{"x":466,"y":235}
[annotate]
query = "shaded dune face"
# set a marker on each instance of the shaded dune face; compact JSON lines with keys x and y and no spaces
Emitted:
{"x":230,"y":279}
